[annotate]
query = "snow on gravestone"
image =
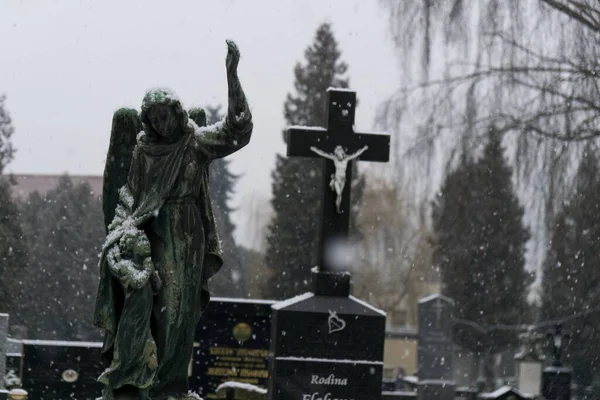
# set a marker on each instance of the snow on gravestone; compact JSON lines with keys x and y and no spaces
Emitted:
{"x":435,"y":349}
{"x":326,"y":347}
{"x":232,"y":345}
{"x":3,"y":346}
{"x":61,"y":369}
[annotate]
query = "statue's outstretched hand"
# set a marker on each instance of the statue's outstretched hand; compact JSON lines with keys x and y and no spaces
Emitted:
{"x":233,"y":57}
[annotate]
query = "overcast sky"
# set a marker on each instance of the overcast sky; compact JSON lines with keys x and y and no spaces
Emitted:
{"x":67,"y":65}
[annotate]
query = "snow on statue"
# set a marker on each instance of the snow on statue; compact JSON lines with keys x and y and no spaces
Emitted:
{"x":340,"y":160}
{"x":162,"y":244}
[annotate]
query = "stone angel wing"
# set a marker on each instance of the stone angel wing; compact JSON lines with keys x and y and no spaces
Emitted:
{"x":126,"y":125}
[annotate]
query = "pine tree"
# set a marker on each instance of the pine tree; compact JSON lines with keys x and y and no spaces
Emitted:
{"x":293,"y":232}
{"x":571,"y":271}
{"x":480,"y":247}
{"x":229,"y":281}
{"x":13,"y":247}
{"x":6,"y":131}
{"x":65,"y":231}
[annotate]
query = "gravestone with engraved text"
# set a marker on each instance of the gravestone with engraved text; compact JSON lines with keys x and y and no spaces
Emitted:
{"x":232,"y":345}
{"x":326,"y":347}
{"x":327,"y":344}
{"x":435,"y":349}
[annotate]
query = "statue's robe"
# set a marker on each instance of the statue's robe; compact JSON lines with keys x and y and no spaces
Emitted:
{"x":149,"y":338}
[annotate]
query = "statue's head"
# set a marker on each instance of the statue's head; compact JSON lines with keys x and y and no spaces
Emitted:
{"x":339,"y":152}
{"x":163,"y":115}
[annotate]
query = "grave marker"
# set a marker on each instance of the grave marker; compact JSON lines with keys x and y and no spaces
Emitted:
{"x":327,"y":344}
{"x":233,"y":340}
{"x":435,"y":349}
{"x":339,"y":133}
{"x":61,"y":370}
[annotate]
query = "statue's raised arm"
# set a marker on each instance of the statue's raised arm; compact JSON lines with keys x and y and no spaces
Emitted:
{"x":234,"y":131}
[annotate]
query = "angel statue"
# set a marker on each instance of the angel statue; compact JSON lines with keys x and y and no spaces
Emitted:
{"x":340,"y":161}
{"x":162,"y":245}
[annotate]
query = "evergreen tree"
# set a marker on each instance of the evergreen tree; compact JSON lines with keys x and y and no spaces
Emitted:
{"x":65,"y":231}
{"x":480,"y":247}
{"x":571,"y":270}
{"x":13,"y":249}
{"x":12,"y":242}
{"x":293,"y":232}
{"x":6,"y":131}
{"x":229,"y":281}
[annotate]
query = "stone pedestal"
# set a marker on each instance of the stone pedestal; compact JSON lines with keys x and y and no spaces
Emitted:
{"x":556,"y":383}
{"x":326,"y":344}
{"x":435,"y":349}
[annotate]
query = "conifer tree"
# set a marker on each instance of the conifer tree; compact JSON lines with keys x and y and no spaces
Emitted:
{"x":293,"y":232}
{"x":65,"y":231}
{"x":571,"y":270}
{"x":12,"y":241}
{"x":480,"y":249}
{"x":229,"y":281}
{"x":13,"y":249}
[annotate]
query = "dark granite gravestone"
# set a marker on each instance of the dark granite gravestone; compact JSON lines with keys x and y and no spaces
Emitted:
{"x":3,"y":394}
{"x":326,"y":347}
{"x":232,"y":345}
{"x":327,"y":344}
{"x":556,"y":383}
{"x":435,"y":349}
{"x":61,"y":370}
{"x":3,"y":346}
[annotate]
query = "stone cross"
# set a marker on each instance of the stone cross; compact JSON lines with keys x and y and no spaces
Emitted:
{"x":338,"y":145}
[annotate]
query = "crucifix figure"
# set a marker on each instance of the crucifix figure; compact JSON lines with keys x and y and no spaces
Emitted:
{"x":337,"y":142}
{"x":340,"y":161}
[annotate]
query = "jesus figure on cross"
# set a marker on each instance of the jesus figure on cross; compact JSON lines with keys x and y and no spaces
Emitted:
{"x":340,"y":160}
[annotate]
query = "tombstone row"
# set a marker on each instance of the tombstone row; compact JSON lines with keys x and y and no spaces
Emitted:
{"x":234,"y":344}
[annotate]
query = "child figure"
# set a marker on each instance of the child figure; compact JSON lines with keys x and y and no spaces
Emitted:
{"x":130,"y":263}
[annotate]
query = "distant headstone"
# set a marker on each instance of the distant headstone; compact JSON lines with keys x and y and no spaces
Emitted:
{"x":435,"y":349}
{"x":556,"y":383}
{"x":3,"y":346}
{"x":232,"y":345}
{"x":61,"y":370}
